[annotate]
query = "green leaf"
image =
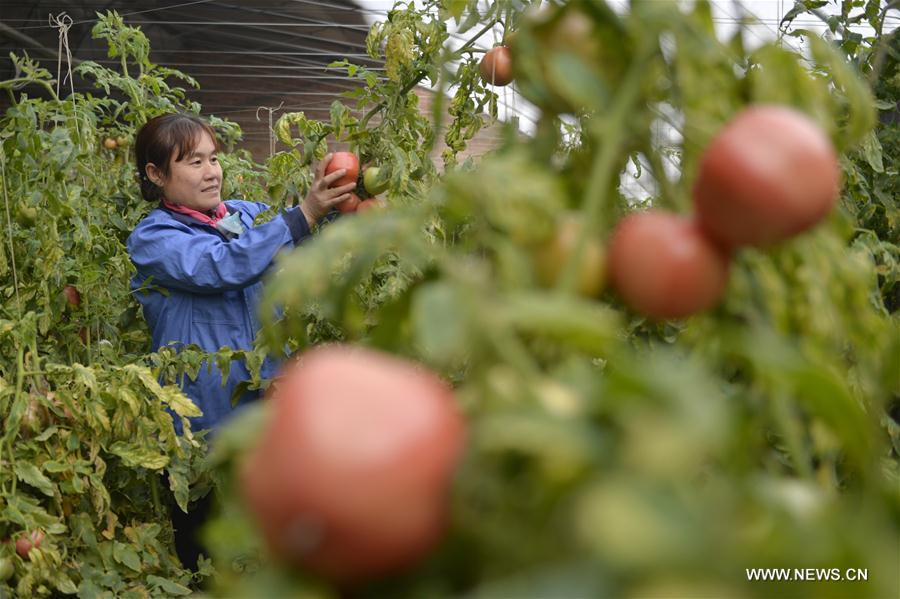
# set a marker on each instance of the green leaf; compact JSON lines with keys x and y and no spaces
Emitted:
{"x":445,"y":338}
{"x":139,"y":456}
{"x":29,"y":473}
{"x":168,"y":586}
{"x":872,"y":150}
{"x":125,"y":554}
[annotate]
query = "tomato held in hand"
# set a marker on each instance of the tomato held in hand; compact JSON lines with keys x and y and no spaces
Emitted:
{"x":496,"y":66}
{"x":351,"y":477}
{"x":347,"y":160}
{"x":663,"y":266}
{"x":350,"y":204}
{"x":26,"y":543}
{"x":770,"y":174}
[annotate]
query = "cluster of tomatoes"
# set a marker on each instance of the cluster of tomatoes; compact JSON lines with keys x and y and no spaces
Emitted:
{"x":372,"y":182}
{"x":770,"y":174}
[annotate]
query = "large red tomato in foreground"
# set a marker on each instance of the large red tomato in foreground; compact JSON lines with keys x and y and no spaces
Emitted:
{"x":351,"y":477}
{"x":347,"y":160}
{"x":768,"y":175}
{"x":663,"y":266}
{"x":496,"y":66}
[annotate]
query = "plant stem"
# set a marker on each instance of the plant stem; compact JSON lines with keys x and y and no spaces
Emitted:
{"x":788,"y":426}
{"x":422,"y":72}
{"x":603,"y":169}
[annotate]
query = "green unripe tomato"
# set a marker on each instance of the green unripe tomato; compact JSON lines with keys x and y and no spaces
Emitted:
{"x":370,"y":181}
{"x":6,"y":569}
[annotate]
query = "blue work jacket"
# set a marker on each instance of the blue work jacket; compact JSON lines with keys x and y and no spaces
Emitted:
{"x":212,"y":283}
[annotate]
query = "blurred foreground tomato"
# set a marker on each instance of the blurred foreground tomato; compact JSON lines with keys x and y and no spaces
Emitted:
{"x":770,"y":174}
{"x":351,"y":477}
{"x":663,"y":266}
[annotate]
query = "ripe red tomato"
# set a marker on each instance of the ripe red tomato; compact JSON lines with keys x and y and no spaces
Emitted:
{"x":350,"y":205}
{"x":663,"y":266}
{"x":496,"y":66}
{"x":370,"y":204}
{"x":350,"y":479}
{"x":347,"y":160}
{"x":25,"y":544}
{"x":73,"y":297}
{"x":770,"y":174}
{"x":551,"y":257}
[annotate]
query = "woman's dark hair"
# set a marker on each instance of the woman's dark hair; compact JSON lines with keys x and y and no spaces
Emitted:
{"x":160,"y":139}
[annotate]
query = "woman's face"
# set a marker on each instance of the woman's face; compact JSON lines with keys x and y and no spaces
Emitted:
{"x":195,"y":181}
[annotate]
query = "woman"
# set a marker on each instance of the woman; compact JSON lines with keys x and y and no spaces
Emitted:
{"x":200,"y":260}
{"x":199,"y":263}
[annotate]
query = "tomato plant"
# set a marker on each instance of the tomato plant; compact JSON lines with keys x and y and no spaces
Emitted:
{"x":353,"y":510}
{"x":606,"y":452}
{"x":770,"y":174}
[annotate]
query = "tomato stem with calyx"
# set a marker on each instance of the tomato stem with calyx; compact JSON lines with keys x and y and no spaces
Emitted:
{"x":602,"y":170}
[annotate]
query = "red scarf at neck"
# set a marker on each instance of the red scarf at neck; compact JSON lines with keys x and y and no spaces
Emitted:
{"x":220,"y":212}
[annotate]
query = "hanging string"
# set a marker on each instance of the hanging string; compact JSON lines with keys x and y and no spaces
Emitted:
{"x":271,"y":111}
{"x":62,"y":23}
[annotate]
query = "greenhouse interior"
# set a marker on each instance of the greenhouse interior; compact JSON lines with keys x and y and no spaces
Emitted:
{"x":495,"y":299}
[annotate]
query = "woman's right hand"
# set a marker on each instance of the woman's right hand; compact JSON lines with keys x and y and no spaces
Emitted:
{"x":322,"y":197}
